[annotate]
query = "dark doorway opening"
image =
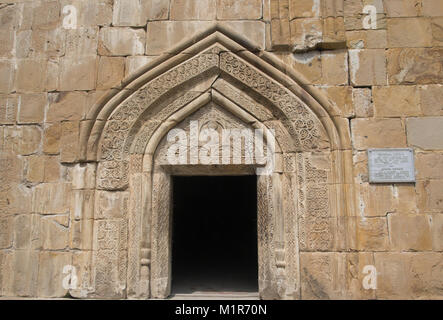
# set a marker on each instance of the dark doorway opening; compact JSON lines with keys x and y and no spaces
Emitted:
{"x":214,"y":235}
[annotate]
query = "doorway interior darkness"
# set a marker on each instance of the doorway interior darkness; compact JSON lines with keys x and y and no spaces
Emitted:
{"x":214,"y":235}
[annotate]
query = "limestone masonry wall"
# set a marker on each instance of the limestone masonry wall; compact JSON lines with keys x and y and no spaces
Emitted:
{"x":385,"y":76}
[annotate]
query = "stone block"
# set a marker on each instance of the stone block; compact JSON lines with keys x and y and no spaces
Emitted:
{"x":111,"y":71}
{"x":430,"y":197}
{"x":306,"y":33}
{"x":81,"y":42}
{"x":91,"y":13}
{"x":78,"y":73}
{"x":415,"y":65}
{"x":362,"y":99}
{"x":396,"y":101}
{"x":437,"y":32}
{"x":46,"y":15}
{"x":82,"y":205}
{"x":83,"y":176}
{"x":402,"y":8}
{"x":69,"y":147}
{"x":322,"y":274}
{"x":429,"y":165}
{"x":66,"y":106}
{"x":51,"y":138}
{"x":29,"y":139}
{"x":409,"y":275}
{"x":341,"y":97}
{"x":137,"y":13}
{"x":7,"y":76}
{"x":367,"y":39}
{"x":431,"y":100}
{"x":432,"y":8}
{"x":51,"y":274}
{"x":54,"y":232}
{"x":437,"y":232}
{"x":239,"y":10}
{"x":25,"y":271}
{"x":52,"y":198}
{"x":164,"y":35}
{"x":111,"y":205}
{"x":309,"y":64}
{"x":372,"y":234}
{"x":133,"y":64}
{"x":193,"y":10}
{"x":118,"y":41}
{"x":304,"y":9}
{"x":409,"y":32}
{"x":7,"y":40}
{"x":32,"y":108}
{"x":36,"y":169}
{"x":6,"y":232}
{"x":31,"y":75}
{"x":378,"y":133}
{"x":367,"y":67}
{"x":425,"y":133}
{"x":8,"y":108}
{"x":410,"y":232}
{"x":335,"y":68}
{"x":81,"y":234}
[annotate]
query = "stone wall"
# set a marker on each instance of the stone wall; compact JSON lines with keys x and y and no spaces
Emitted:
{"x":387,"y":84}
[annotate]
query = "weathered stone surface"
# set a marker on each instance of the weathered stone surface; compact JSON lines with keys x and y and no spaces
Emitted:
{"x":415,"y":66}
{"x":78,"y":73}
{"x":236,"y":10}
{"x":32,"y":108}
{"x":341,"y":97}
{"x":137,"y":13}
{"x":309,"y":63}
{"x":367,"y":67}
{"x":409,"y":275}
{"x":437,"y":232}
{"x":81,"y":42}
{"x":306,"y":33}
{"x":51,"y":138}
{"x":429,"y":165}
{"x":410,"y":232}
{"x":134,"y":63}
{"x":430,"y":195}
{"x":8,"y":108}
{"x":425,"y":133}
{"x":372,"y":234}
{"x":305,"y":9}
{"x":31,"y":75}
{"x":402,"y":8}
{"x":111,"y":72}
{"x":51,"y":198}
{"x":363,"y":105}
{"x":378,"y":133}
{"x":367,"y":39}
{"x":24,"y":140}
{"x":164,"y":35}
{"x":432,"y":8}
{"x":396,"y":101}
{"x":409,"y":32}
{"x":50,"y":274}
{"x":65,"y":106}
{"x":431,"y":98}
{"x":121,"y":41}
{"x":69,"y":141}
{"x":437,"y":31}
{"x":335,"y":68}
{"x":7,"y":74}
{"x":323,"y":273}
{"x":192,"y":10}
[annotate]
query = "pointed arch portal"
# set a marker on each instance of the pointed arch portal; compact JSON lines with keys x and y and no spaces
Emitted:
{"x":221,"y":80}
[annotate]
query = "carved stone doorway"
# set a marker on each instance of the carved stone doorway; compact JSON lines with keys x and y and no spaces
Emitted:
{"x":214,"y":234}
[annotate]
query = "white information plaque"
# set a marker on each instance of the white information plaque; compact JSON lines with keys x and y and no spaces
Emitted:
{"x":391,"y":165}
